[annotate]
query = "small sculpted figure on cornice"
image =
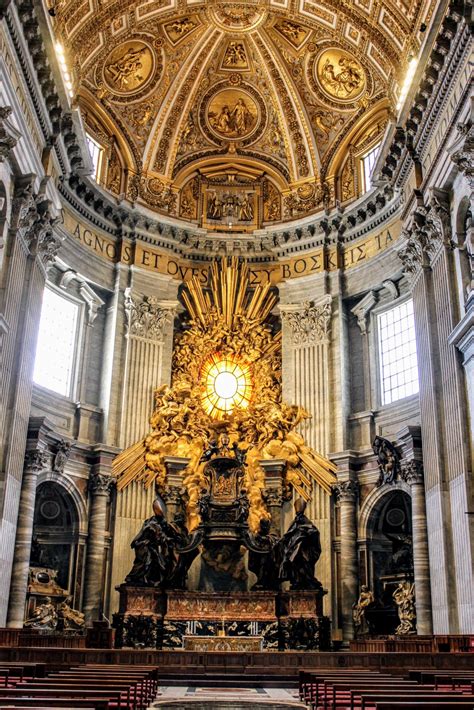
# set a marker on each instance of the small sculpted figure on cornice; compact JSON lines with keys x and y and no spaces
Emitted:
{"x":388,"y":460}
{"x":62,"y":455}
{"x":146,"y":318}
{"x":309,"y":324}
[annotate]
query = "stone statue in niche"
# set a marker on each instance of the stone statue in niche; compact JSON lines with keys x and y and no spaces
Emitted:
{"x":404,"y":596}
{"x":70,"y":618}
{"x":366,"y":599}
{"x":261,"y":558}
{"x":298,"y":551}
{"x":153,"y":547}
{"x":44,"y":617}
{"x":388,"y":460}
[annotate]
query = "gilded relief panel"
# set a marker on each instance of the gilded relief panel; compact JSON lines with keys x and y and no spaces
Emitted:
{"x":230,"y":207}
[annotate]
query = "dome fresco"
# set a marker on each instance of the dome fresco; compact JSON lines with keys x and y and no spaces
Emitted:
{"x":237,"y":116}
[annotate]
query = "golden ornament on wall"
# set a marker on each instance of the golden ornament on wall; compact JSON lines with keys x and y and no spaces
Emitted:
{"x":233,"y":113}
{"x":129,"y":67}
{"x":340,"y":75}
{"x":237,"y":17}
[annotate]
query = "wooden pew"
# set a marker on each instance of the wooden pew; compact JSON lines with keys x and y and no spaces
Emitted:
{"x":354,"y":689}
{"x":415,"y":705}
{"x":145,"y":680}
{"x":436,"y":699}
{"x":123,"y":688}
{"x":310,"y":682}
{"x":137,"y":682}
{"x":112,"y":698}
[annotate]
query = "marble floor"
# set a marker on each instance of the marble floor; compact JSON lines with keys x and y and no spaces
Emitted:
{"x":181,"y":697}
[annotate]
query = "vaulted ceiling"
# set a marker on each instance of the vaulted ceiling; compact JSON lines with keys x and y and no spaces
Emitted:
{"x":237,"y":114}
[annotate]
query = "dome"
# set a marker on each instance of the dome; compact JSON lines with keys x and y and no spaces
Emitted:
{"x":236,"y":116}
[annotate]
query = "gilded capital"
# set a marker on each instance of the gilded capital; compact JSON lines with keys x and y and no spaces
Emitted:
{"x":146,"y":316}
{"x":308,"y":323}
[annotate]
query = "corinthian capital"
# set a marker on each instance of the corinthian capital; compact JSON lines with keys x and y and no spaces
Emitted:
{"x":463,"y":155}
{"x":36,"y":461}
{"x":412,"y":472}
{"x":309,"y":323}
{"x":346,"y":491}
{"x":101,"y":483}
{"x":8,"y":134}
{"x":146,"y":316}
{"x":422,"y":238}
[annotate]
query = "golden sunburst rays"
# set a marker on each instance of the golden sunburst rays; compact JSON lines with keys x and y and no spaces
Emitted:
{"x":229,"y":298}
{"x":227,"y":383}
{"x":226,"y":373}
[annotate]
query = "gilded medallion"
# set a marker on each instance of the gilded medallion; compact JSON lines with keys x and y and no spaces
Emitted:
{"x":340,"y":75}
{"x":129,"y":67}
{"x":233,"y":113}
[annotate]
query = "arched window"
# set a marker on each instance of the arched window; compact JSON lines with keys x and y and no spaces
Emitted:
{"x":367,"y":165}
{"x":57,"y":343}
{"x":397,"y":353}
{"x":96,"y":152}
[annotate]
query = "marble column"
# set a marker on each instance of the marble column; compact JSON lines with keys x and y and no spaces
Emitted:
{"x":412,"y":473}
{"x":347,"y":492}
{"x":35,"y":462}
{"x":100,"y":486}
{"x":31,"y":246}
{"x":426,"y":250}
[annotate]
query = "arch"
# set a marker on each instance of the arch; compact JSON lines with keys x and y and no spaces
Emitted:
{"x":70,"y":488}
{"x":375,"y":502}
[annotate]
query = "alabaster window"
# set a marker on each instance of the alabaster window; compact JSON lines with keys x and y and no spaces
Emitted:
{"x":367,"y":164}
{"x":57,"y":343}
{"x":397,"y":353}
{"x":96,"y":152}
